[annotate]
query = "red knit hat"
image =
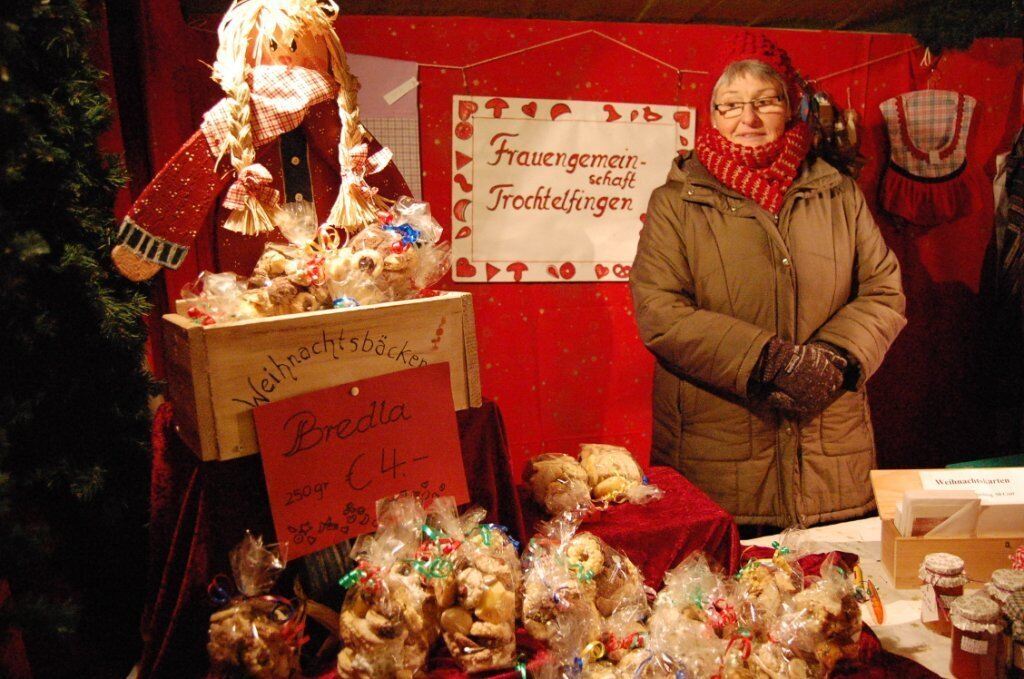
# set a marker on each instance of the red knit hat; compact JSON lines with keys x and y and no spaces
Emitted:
{"x":747,"y":45}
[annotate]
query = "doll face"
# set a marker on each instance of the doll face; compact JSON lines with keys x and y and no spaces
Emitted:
{"x":304,"y":50}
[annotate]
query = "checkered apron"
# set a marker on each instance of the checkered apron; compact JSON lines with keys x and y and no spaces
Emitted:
{"x":928,"y":132}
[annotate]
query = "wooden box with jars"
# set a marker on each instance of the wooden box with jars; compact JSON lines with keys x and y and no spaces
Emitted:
{"x":902,"y":556}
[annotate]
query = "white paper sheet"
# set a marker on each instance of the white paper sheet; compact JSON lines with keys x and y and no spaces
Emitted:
{"x":556,"y":191}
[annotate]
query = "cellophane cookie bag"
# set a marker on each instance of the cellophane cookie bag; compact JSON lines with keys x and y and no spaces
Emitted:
{"x":475,"y":573}
{"x":389,"y":619}
{"x":255,"y":634}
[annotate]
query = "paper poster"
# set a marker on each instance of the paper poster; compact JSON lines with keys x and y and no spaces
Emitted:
{"x":389,"y":107}
{"x":329,"y":455}
{"x":546,"y":190}
{"x":993,"y":486}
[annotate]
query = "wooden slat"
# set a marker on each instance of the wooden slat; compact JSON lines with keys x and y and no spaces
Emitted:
{"x":188,"y":386}
{"x":474,"y":396}
{"x":889,"y":486}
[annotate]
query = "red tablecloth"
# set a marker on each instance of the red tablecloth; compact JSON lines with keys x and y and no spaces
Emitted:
{"x":659,"y":535}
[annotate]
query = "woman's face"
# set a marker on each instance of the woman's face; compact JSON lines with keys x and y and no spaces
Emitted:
{"x":751,"y":127}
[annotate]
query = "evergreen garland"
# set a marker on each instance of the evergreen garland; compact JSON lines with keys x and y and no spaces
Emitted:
{"x":955,"y":24}
{"x":73,"y":402}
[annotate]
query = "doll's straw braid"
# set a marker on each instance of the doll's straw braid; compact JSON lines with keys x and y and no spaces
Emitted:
{"x":354,"y":209}
{"x":231,"y":71}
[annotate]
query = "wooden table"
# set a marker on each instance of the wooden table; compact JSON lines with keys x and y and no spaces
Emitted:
{"x":902,"y":632}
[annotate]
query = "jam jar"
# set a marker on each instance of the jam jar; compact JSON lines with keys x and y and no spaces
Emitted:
{"x":942,"y":581}
{"x":977,"y":639}
{"x":1003,"y":583}
{"x":1013,"y":609}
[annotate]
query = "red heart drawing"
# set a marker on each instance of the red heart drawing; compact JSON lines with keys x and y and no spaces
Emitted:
{"x":460,"y":209}
{"x":463,"y":131}
{"x":492,"y":271}
{"x":530,"y":109}
{"x":633,"y":115}
{"x":613,"y":115}
{"x":497,"y":106}
{"x":552,"y":271}
{"x":559,"y":110}
{"x":517,"y":269}
{"x":682,"y":118}
{"x":621,"y":270}
{"x":567,"y":270}
{"x":463,"y":183}
{"x":650,"y":116}
{"x":684,"y":142}
{"x":463,"y":269}
{"x":462,"y":160}
{"x":463,"y":232}
{"x":601,"y":270}
{"x":466,"y":109}
{"x":643,"y":218}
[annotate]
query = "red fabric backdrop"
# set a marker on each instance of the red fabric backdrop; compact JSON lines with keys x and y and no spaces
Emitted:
{"x":563,"y":361}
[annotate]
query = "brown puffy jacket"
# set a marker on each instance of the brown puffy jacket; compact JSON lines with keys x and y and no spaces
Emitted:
{"x":715,"y":277}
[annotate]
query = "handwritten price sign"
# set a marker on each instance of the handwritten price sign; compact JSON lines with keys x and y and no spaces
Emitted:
{"x":329,"y":455}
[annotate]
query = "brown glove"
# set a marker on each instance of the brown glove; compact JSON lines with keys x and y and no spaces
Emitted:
{"x":801,"y":379}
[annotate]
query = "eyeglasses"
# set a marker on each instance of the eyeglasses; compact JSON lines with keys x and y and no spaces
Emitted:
{"x":764,"y":105}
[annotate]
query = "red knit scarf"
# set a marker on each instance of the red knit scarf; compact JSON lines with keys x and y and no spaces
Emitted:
{"x":761,"y":173}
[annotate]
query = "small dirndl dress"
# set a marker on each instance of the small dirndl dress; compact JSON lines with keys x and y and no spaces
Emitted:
{"x":925,"y":182}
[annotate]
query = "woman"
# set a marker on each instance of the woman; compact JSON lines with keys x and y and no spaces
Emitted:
{"x":768,"y":296}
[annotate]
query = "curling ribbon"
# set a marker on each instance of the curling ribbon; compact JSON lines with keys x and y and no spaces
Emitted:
{"x":582,"y":574}
{"x":436,"y":568}
{"x":593,"y":652}
{"x":748,"y":566}
{"x":1017,"y":560}
{"x":631,"y":641}
{"x":745,"y":645}
{"x":352,"y":577}
{"x":410,"y":235}
{"x":219,"y":589}
{"x":328,"y":238}
{"x":485,"y":534}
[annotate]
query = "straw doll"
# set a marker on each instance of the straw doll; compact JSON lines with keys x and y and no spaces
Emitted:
{"x":285,"y":141}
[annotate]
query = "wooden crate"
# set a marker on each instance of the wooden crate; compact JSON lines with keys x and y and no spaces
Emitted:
{"x":217,"y":374}
{"x":902,"y":556}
